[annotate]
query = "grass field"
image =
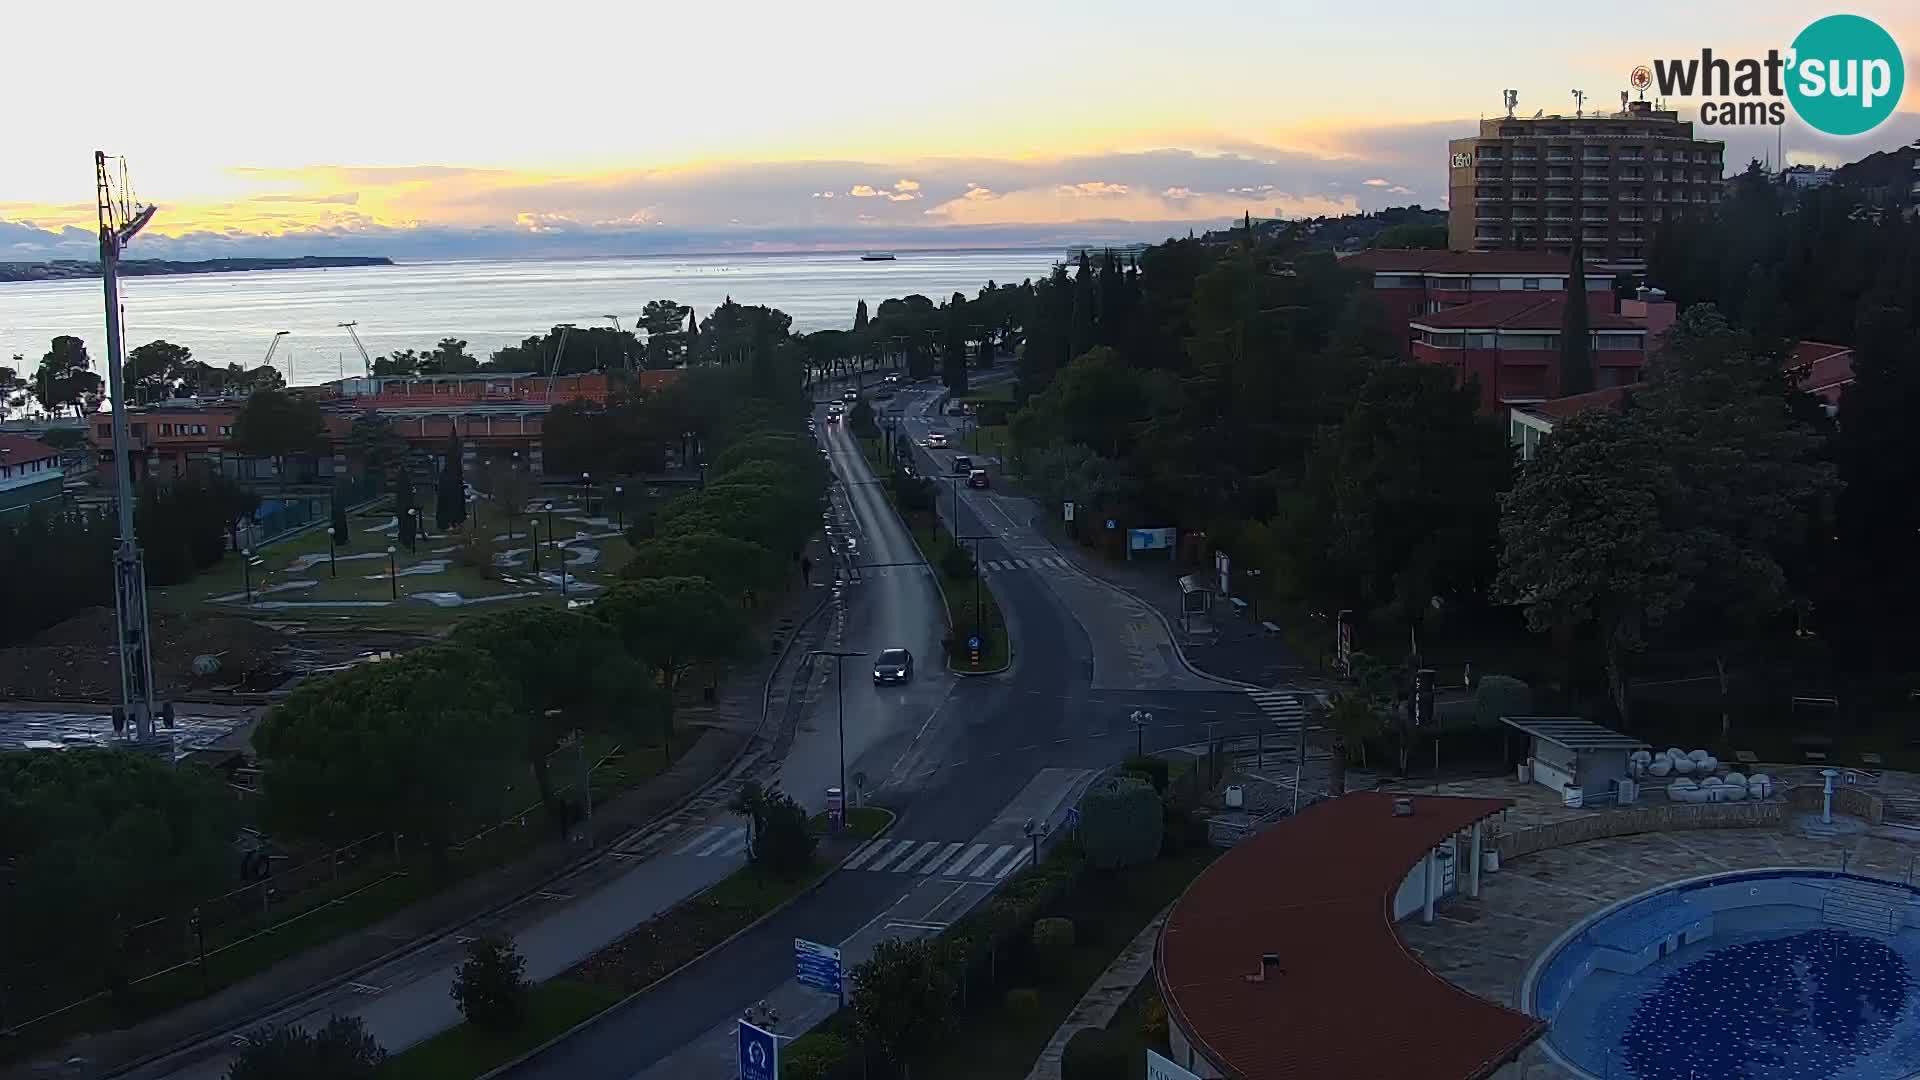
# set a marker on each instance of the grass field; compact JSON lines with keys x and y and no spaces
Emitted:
{"x":462,"y":1052}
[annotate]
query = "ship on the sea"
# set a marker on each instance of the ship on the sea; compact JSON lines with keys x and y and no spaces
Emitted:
{"x":876,"y":256}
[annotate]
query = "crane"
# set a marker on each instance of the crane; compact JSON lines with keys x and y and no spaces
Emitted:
{"x":365,"y":360}
{"x":274,"y":347}
{"x":122,"y":216}
{"x":559,"y":350}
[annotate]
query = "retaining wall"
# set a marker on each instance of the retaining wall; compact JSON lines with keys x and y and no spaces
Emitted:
{"x":1671,"y":818}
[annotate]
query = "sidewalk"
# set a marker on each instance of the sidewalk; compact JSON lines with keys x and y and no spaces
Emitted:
{"x":728,"y":728}
{"x":1236,"y":648}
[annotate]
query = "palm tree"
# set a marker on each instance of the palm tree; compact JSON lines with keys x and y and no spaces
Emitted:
{"x":750,"y":802}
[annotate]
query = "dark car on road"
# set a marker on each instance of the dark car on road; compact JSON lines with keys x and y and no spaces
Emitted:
{"x":977,"y":478}
{"x":962,"y":465}
{"x":894,"y":666}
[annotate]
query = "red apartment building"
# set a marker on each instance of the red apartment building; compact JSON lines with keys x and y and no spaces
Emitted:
{"x":495,"y":414}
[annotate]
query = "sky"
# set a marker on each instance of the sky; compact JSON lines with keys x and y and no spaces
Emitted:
{"x":418,"y":131}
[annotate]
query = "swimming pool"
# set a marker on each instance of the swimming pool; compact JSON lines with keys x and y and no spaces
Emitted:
{"x":1777,"y":974}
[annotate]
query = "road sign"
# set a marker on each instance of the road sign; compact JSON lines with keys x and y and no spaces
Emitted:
{"x":1159,"y":1068}
{"x":817,"y":965}
{"x":1068,"y":510}
{"x":973,"y":642}
{"x":759,"y":1053}
{"x":1112,"y":524}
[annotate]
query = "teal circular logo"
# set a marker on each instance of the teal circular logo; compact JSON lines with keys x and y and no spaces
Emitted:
{"x":1847,"y":75}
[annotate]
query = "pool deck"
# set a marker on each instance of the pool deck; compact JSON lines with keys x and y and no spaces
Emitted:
{"x":1487,"y":945}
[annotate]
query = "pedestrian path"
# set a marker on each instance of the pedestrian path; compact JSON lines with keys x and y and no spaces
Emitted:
{"x":1052,"y":563}
{"x":976,"y":862}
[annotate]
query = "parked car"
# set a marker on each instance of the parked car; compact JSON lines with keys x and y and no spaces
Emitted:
{"x":977,"y":478}
{"x":962,"y":465}
{"x":893,"y":666}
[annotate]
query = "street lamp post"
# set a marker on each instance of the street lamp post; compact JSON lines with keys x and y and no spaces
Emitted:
{"x":333,"y":544}
{"x":620,"y":507}
{"x":533,"y":530}
{"x":979,"y":624}
{"x":246,"y":571}
{"x":1253,"y":591}
{"x":553,"y":538}
{"x":1141,"y":720}
{"x":586,"y":491}
{"x":841,"y":656}
{"x":1035,"y":833}
{"x":413,"y":534}
{"x":393,"y":573}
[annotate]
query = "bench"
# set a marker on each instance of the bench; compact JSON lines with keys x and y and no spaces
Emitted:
{"x":1270,"y":628}
{"x":1239,"y":606}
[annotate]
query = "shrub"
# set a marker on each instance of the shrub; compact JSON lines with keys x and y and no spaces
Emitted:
{"x":1121,"y":823}
{"x":1153,"y":1020}
{"x":1023,"y":1004}
{"x":1094,"y":1054}
{"x":785,"y":842}
{"x":1149,"y":768}
{"x":340,"y":1051}
{"x":957,"y":563}
{"x":491,"y":986}
{"x":817,"y":1055}
{"x":477,"y":551}
{"x":1500,"y":696}
{"x":1052,"y":941}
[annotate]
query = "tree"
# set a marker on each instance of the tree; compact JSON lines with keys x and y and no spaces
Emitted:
{"x":450,"y":496}
{"x":153,"y":370}
{"x":1095,"y":1054}
{"x":672,"y":623}
{"x":424,"y":745}
{"x":953,"y":366}
{"x":511,"y":488}
{"x":400,"y":364}
{"x":903,"y":999}
{"x":1412,"y":235}
{"x":734,"y":566}
{"x":491,"y":986}
{"x":1585,"y":540}
{"x":277,"y":423}
{"x":1080,"y":334}
{"x":1121,"y":823}
{"x":66,"y":378}
{"x":406,"y":513}
{"x":342,"y":1050}
{"x":337,"y":508}
{"x":1500,"y":696}
{"x":783,"y":840}
{"x":667,"y":341}
{"x":14,"y":390}
{"x":1576,"y":360}
{"x":566,"y":675}
{"x":106,"y":839}
{"x":375,"y":445}
{"x":449,"y":357}
{"x":750,"y":802}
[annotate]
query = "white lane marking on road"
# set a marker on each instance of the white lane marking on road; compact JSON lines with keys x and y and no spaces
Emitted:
{"x":900,"y":847}
{"x":993,"y":860}
{"x":706,"y":834}
{"x":1014,"y":864}
{"x":735,"y":844}
{"x":933,"y":864}
{"x":959,"y":864}
{"x":725,"y":839}
{"x":867,"y":851}
{"x":906,"y":865}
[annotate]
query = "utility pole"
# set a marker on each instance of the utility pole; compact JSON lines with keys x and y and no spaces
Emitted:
{"x":121,"y":219}
{"x":979,"y":626}
{"x":840,"y":658}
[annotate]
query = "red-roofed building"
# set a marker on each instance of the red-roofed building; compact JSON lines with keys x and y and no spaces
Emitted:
{"x":1281,"y":961}
{"x":1411,"y":284}
{"x":29,"y":472}
{"x":1822,"y":370}
{"x":1511,"y":344}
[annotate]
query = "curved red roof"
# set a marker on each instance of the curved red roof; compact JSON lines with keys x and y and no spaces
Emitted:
{"x":1348,"y":1001}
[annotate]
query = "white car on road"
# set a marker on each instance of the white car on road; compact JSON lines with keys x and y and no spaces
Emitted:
{"x":937,"y":440}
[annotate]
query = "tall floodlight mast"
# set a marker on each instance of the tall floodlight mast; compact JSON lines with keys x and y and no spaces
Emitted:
{"x":365,"y":360}
{"x":121,"y":219}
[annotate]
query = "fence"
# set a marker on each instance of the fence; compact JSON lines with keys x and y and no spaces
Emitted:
{"x":1603,"y":824}
{"x":169,"y":944}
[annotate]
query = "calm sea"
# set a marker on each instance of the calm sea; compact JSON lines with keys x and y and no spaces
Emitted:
{"x":233,"y":317}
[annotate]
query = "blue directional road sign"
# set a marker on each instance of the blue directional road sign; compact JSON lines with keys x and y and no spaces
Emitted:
{"x":759,"y":1053}
{"x":817,"y":965}
{"x":973,"y":643}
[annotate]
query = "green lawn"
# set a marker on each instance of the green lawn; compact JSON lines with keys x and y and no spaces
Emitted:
{"x":463,"y":1052}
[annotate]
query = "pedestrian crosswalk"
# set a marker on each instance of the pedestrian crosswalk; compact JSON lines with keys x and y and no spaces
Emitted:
{"x":1286,"y":708}
{"x":976,"y":862}
{"x":1001,"y":566}
{"x":711,"y":840}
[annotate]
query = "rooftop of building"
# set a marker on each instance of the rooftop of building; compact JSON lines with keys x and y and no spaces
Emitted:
{"x":1542,"y":311}
{"x":1420,"y":261}
{"x":1347,"y":1000}
{"x":15,"y":449}
{"x":1820,"y":365}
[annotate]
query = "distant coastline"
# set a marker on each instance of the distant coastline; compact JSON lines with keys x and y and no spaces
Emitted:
{"x":62,"y":269}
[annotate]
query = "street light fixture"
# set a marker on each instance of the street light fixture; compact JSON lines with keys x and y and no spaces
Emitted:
{"x":393,"y":573}
{"x":1253,"y":591}
{"x":413,"y":534}
{"x":533,"y":529}
{"x":553,"y":538}
{"x":620,"y":507}
{"x":1141,"y":721}
{"x":841,"y":656}
{"x":1035,"y":833}
{"x":246,"y":571}
{"x":586,"y":491}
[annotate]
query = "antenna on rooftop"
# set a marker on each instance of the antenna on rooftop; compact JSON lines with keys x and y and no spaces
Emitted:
{"x":1512,"y":98}
{"x":1623,"y":101}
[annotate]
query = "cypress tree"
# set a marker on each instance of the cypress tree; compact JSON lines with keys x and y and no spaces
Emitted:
{"x":450,"y":505}
{"x":693,"y":335}
{"x":1576,"y":363}
{"x":339,"y":505}
{"x":1080,"y":329}
{"x":403,"y":502}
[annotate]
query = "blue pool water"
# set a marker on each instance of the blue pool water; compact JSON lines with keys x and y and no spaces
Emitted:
{"x":1738,"y":976}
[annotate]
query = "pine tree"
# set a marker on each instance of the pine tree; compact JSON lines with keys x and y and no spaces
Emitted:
{"x":1576,"y":361}
{"x":450,"y":506}
{"x":402,"y":506}
{"x":1080,"y":332}
{"x":693,"y":335}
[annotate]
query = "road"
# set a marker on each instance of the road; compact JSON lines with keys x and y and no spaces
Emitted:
{"x":962,"y":761}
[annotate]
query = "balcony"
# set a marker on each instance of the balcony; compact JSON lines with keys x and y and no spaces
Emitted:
{"x":1488,"y":177}
{"x":1525,"y":219}
{"x":1594,"y":155}
{"x":1558,"y":195}
{"x":1482,"y":216}
{"x":1633,"y":196}
{"x":1599,"y":217}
